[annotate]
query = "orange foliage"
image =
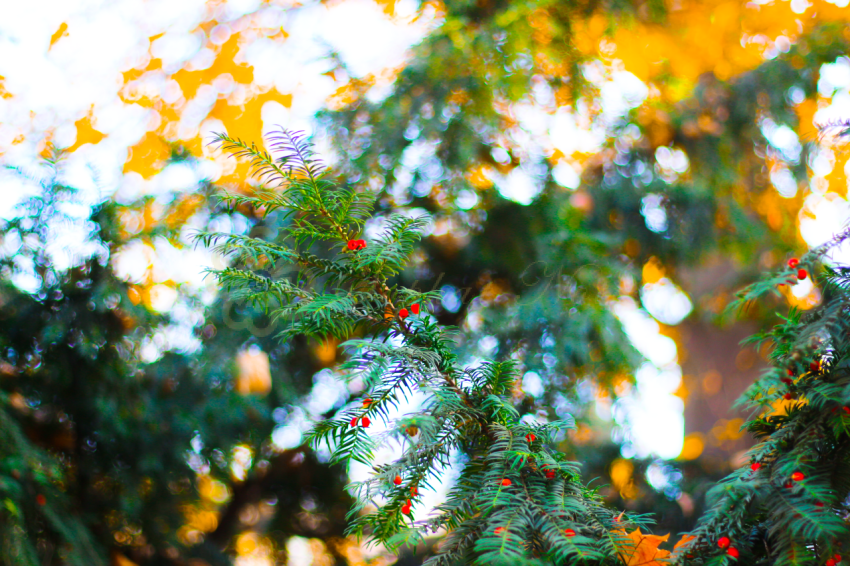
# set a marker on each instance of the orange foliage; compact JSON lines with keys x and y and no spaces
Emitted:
{"x":86,"y":133}
{"x":60,"y":33}
{"x":642,"y":550}
{"x":148,"y":156}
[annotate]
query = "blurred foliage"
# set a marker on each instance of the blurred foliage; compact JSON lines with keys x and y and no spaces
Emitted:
{"x":671,"y":180}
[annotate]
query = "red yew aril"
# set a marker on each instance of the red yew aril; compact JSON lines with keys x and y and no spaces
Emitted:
{"x":397,"y":480}
{"x":550,"y":474}
{"x":798,"y":476}
{"x":733,"y":552}
{"x":755,"y":466}
{"x":802,"y":274}
{"x":724,"y":542}
{"x":414,"y":308}
{"x":506,"y":482}
{"x":366,"y":422}
{"x":402,"y":314}
{"x":570,"y":533}
{"x":530,"y":438}
{"x":354,"y":421}
{"x":793,"y":262}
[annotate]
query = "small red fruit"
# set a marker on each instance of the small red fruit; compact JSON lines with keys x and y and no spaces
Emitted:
{"x":506,"y":482}
{"x":530,"y":438}
{"x":830,"y":562}
{"x":789,"y":485}
{"x":499,"y":530}
{"x":40,"y":499}
{"x":802,"y":274}
{"x":724,"y":542}
{"x":793,"y":262}
{"x":733,"y":552}
{"x":818,"y":503}
{"x":837,"y":558}
{"x":798,"y":476}
{"x":354,"y":421}
{"x":755,"y":466}
{"x":550,"y":474}
{"x":787,"y":380}
{"x":846,"y":410}
{"x":570,"y":532}
{"x":352,"y":245}
{"x":366,"y":422}
{"x":406,"y":508}
{"x":414,"y":308}
{"x":397,"y":480}
{"x":814,"y":366}
{"x":790,"y":371}
{"x":788,"y":395}
{"x":367,"y":402}
{"x":402,"y":314}
{"x":414,"y":491}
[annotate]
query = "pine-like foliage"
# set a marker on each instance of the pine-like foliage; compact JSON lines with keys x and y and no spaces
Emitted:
{"x":788,"y":506}
{"x":515,"y":499}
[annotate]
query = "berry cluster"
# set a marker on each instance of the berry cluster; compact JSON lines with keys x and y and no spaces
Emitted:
{"x":355,"y":245}
{"x":404,"y":313}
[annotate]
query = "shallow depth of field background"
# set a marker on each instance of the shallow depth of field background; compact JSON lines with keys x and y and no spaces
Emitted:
{"x":125,"y":86}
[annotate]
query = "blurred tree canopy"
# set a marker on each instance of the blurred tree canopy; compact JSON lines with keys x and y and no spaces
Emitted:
{"x":574,"y":158}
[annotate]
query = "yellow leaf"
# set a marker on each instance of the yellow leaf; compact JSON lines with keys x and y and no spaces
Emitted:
{"x":683,"y":542}
{"x":642,"y":550}
{"x":60,"y":33}
{"x":86,"y":133}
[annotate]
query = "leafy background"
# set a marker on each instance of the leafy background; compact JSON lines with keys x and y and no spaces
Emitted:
{"x":599,"y":177}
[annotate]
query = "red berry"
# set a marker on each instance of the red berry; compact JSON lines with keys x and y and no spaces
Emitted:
{"x":40,"y":499}
{"x":506,"y":482}
{"x":414,"y":308}
{"x":530,"y":438}
{"x":414,"y":490}
{"x":402,"y":314}
{"x":791,"y":371}
{"x":789,"y":485}
{"x":406,"y":509}
{"x":499,"y":530}
{"x":830,"y":562}
{"x":837,"y":558}
{"x":846,"y":410}
{"x":570,"y":532}
{"x":793,"y":262}
{"x":397,"y":480}
{"x":802,"y":274}
{"x":733,"y":552}
{"x":354,"y":421}
{"x":788,"y":395}
{"x":798,"y":476}
{"x":818,"y":503}
{"x":814,"y":366}
{"x":787,"y":380}
{"x":724,"y":542}
{"x":366,"y":422}
{"x":755,"y":466}
{"x":352,"y":245}
{"x":550,"y":474}
{"x":367,"y":402}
